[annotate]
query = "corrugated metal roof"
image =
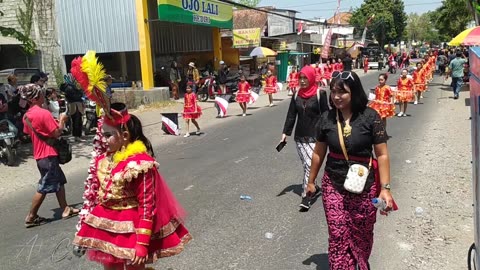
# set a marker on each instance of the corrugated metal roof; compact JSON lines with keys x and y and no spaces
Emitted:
{"x":180,"y":38}
{"x":104,"y":26}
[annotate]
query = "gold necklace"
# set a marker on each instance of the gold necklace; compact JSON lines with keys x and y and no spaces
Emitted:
{"x":347,"y":129}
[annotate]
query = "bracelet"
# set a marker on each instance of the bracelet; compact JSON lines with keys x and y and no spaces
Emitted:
{"x":386,"y":186}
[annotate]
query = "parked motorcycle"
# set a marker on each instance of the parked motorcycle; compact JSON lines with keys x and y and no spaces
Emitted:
{"x":8,"y":150}
{"x":90,"y":116}
{"x":208,"y":89}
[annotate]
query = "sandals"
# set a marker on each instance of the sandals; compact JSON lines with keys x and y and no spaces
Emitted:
{"x":36,"y":221}
{"x":71,"y":213}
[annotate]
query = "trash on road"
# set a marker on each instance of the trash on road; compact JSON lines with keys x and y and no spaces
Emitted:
{"x":419,"y":211}
{"x":269,"y":235}
{"x":408,"y":161}
{"x":245,"y":198}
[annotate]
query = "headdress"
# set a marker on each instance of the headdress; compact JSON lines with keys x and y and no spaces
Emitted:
{"x":90,"y":74}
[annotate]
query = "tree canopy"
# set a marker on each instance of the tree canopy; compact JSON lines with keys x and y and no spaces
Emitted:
{"x":27,"y":43}
{"x":421,"y":28}
{"x":389,"y":22}
{"x":451,"y":18}
{"x":250,"y":3}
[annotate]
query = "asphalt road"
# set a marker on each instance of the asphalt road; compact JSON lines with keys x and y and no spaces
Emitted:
{"x":208,"y":173}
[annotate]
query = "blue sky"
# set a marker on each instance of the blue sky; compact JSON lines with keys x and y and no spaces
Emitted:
{"x":325,"y":8}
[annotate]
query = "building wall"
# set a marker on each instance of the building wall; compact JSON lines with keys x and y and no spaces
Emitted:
{"x":43,"y":33}
{"x":231,"y":56}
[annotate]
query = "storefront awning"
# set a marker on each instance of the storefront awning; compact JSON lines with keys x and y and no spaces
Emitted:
{"x":9,"y":41}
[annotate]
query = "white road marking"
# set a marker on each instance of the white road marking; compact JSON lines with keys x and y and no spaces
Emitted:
{"x":189,"y":187}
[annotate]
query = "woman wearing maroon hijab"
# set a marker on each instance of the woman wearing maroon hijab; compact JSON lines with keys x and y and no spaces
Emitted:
{"x":305,"y":109}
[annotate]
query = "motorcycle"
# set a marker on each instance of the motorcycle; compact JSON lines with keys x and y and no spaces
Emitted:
{"x":8,"y":150}
{"x":208,"y":89}
{"x":91,"y":118}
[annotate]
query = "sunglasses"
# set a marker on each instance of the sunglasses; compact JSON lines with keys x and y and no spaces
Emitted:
{"x":345,"y":75}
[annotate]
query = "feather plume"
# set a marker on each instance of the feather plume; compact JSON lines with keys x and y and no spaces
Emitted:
{"x":94,"y":71}
{"x":77,"y":72}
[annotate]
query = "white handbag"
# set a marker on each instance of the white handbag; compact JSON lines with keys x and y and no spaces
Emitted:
{"x":357,"y":174}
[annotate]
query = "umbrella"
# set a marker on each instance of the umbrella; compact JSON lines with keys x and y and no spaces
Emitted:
{"x":469,"y":37}
{"x":262,"y":52}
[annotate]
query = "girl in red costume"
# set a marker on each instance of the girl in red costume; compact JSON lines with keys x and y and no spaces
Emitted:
{"x":293,"y":81}
{"x":318,"y":74}
{"x":383,"y":102}
{"x":328,"y":72}
{"x":365,"y":64}
{"x":405,"y":92}
{"x":270,"y":87}
{"x":340,"y":65}
{"x":134,"y":217}
{"x":191,"y":110}
{"x":419,"y":82}
{"x":243,"y":94}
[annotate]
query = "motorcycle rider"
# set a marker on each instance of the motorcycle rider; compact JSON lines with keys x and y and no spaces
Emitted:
{"x":223,"y":77}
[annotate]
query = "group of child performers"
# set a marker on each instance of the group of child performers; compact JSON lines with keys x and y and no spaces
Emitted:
{"x":323,"y":75}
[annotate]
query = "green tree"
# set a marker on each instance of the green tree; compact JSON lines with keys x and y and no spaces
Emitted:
{"x":389,"y":22}
{"x":451,"y":18}
{"x":250,"y":3}
{"x":421,"y":28}
{"x":27,"y":43}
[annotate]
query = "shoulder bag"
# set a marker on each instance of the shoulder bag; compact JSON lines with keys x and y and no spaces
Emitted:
{"x":357,"y":174}
{"x":63,"y":147}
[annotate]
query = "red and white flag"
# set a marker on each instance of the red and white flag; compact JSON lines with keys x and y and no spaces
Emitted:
{"x":223,"y":104}
{"x":326,"y":44}
{"x":300,"y":28}
{"x":171,"y":126}
{"x":253,"y":98}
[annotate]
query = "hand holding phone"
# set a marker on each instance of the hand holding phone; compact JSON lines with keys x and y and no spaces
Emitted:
{"x":281,"y":145}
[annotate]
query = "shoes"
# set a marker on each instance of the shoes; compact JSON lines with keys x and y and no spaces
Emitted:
{"x":400,"y":114}
{"x":318,"y":191}
{"x":415,"y":103}
{"x":271,"y":105}
{"x":186,"y":135}
{"x":305,"y":204}
{"x":421,"y":96}
{"x":455,"y":97}
{"x":197,"y":132}
{"x":244,"y":114}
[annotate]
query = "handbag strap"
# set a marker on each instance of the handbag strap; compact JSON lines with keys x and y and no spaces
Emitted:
{"x":342,"y":142}
{"x":49,"y":141}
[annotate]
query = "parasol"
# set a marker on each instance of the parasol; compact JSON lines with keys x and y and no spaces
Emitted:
{"x":469,"y":37}
{"x":262,"y":52}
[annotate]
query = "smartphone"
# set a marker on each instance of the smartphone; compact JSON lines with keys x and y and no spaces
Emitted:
{"x":281,"y":145}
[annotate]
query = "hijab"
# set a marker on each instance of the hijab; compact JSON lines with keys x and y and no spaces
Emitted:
{"x":311,"y":90}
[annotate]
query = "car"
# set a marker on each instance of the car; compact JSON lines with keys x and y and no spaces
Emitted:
{"x":23,"y":75}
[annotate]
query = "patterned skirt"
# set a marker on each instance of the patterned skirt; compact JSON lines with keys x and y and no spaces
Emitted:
{"x":350,"y":219}
{"x":384,"y":109}
{"x":243,"y":97}
{"x":270,"y":89}
{"x":405,"y":96}
{"x":190,"y":114}
{"x":420,"y":87}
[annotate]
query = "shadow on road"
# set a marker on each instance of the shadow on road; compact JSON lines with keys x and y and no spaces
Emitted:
{"x":297,"y":189}
{"x":321,"y":260}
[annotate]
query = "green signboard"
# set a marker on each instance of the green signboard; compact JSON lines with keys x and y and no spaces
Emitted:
{"x":199,"y":12}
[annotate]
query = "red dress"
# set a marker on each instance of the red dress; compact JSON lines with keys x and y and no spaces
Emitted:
{"x":405,"y":90}
{"x":365,"y":64}
{"x":135,"y":209}
{"x":383,"y":101}
{"x":191,"y":110}
{"x":328,"y":72}
{"x":318,"y":74}
{"x":271,"y":85}
{"x":340,"y":67}
{"x":419,"y":80}
{"x":243,"y":94}
{"x":293,"y":80}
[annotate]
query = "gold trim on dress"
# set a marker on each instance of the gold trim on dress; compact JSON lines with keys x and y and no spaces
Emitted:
{"x":133,"y":169}
{"x":163,"y":253}
{"x":168,"y":229}
{"x":110,"y":225}
{"x":114,"y":250}
{"x":144,"y":231}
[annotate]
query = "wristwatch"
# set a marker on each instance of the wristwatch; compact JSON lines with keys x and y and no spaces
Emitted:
{"x":386,"y":186}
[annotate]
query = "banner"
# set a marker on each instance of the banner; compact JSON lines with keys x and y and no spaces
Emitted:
{"x":326,"y":44}
{"x":199,"y":12}
{"x":246,"y":38}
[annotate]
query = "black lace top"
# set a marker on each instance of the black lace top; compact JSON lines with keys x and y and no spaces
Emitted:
{"x":367,"y":130}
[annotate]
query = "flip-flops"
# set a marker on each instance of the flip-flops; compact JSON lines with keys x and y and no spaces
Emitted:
{"x":36,"y":221}
{"x":71,"y":213}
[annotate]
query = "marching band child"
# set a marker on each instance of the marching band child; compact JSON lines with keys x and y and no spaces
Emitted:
{"x":405,"y":92}
{"x":318,"y":75}
{"x":270,"y":87}
{"x":328,"y":72}
{"x":419,"y":82}
{"x":293,"y":81}
{"x":243,"y":94}
{"x":365,"y":64}
{"x":383,"y":102}
{"x":191,"y":110}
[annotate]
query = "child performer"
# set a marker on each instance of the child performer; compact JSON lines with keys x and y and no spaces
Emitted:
{"x":191,"y":110}
{"x":318,"y":75}
{"x":293,"y":81}
{"x":405,"y":92}
{"x":270,"y":86}
{"x":136,"y":218}
{"x":419,"y":82}
{"x":243,"y":94}
{"x":383,"y":102}
{"x":328,"y":72}
{"x":365,"y":64}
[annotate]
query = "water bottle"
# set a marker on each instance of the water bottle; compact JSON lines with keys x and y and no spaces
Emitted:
{"x":245,"y":198}
{"x":379,"y":203}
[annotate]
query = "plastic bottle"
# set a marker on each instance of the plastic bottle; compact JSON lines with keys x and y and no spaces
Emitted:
{"x":245,"y":198}
{"x":379,"y":203}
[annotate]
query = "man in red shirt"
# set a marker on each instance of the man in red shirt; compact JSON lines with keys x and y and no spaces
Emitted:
{"x":52,"y":178}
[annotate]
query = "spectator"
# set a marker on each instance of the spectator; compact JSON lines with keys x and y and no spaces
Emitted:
{"x":456,"y":69}
{"x":39,"y":121}
{"x":109,"y":80}
{"x":11,"y":87}
{"x":193,"y":77}
{"x":223,"y":76}
{"x":75,"y":108}
{"x":174,"y":79}
{"x":347,"y":63}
